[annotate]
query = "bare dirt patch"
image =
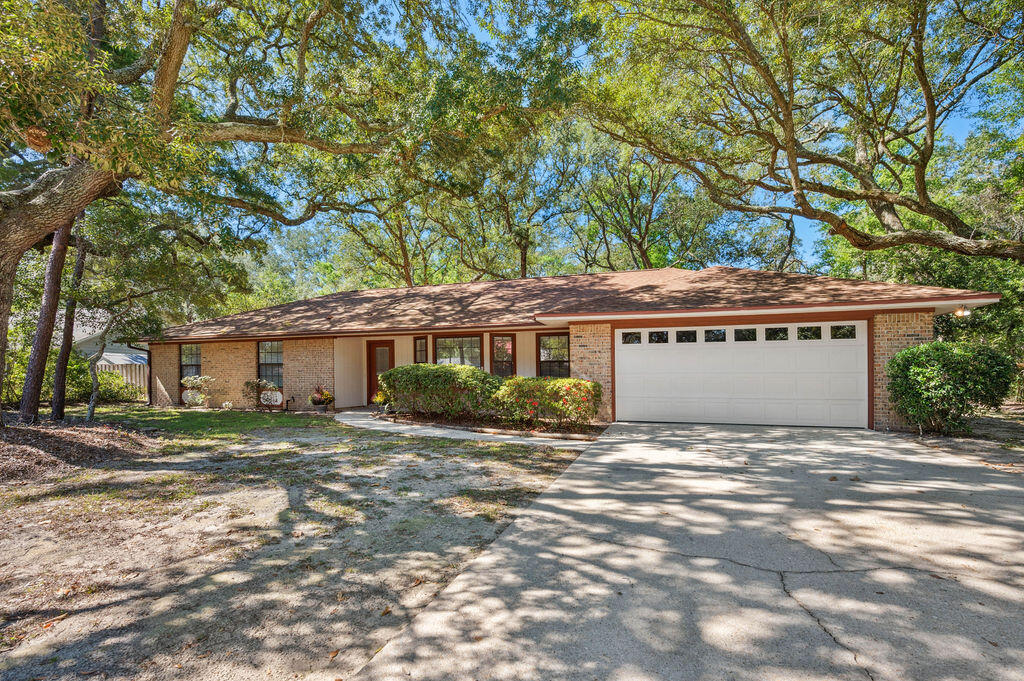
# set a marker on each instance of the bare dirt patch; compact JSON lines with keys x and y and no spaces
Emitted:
{"x":47,"y":450}
{"x":287,"y":552}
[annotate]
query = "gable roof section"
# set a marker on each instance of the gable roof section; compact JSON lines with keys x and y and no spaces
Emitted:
{"x":518,"y":302}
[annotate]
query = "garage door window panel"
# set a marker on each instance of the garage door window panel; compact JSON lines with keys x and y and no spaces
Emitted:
{"x":657,"y":337}
{"x":686,"y":336}
{"x":843,"y":332}
{"x":714,"y":336}
{"x":631,"y":338}
{"x":808,"y":333}
{"x":744,"y":335}
{"x":776,"y":333}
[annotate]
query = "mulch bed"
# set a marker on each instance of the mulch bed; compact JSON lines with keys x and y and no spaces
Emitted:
{"x":46,"y":449}
{"x":546,"y":428}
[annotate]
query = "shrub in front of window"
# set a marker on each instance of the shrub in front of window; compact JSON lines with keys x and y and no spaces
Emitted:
{"x":440,"y":389}
{"x":253,"y":391}
{"x":194,"y":394}
{"x":564,"y":400}
{"x":938,"y":385}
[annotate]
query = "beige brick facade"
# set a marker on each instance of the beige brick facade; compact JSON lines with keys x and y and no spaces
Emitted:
{"x":590,"y":356}
{"x":164,"y":374}
{"x":231,"y":363}
{"x":891,"y":333}
{"x":307,"y":363}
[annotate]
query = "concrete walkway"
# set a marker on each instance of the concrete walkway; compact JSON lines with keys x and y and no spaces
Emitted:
{"x":363,"y":419}
{"x":700,"y":552}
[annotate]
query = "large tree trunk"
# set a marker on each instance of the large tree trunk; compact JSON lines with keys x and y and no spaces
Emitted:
{"x":44,"y":325}
{"x":8,"y":267}
{"x":60,"y":372}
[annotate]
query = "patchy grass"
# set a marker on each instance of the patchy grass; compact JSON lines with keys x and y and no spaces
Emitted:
{"x":287,"y":526}
{"x":202,"y":423}
{"x":491,"y":504}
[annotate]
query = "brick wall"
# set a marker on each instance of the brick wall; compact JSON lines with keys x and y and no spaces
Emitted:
{"x":590,"y":358}
{"x":164,"y":374}
{"x":307,"y":363}
{"x":231,"y":363}
{"x":892,"y":333}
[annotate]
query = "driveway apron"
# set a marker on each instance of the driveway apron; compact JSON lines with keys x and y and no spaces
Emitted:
{"x":745,"y":553}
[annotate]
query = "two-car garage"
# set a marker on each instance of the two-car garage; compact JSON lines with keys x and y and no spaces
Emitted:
{"x":805,"y":374}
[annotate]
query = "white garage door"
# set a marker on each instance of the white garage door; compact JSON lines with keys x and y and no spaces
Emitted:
{"x":807,"y":374}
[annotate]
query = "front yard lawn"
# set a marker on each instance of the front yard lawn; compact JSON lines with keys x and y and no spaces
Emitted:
{"x":235,"y":545}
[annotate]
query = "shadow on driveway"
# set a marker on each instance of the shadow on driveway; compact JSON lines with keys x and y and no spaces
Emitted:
{"x":746,"y":553}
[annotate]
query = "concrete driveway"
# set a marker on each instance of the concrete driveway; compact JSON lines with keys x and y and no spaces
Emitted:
{"x":741,"y":553}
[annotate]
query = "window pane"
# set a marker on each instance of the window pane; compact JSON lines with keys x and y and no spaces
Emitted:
{"x":657,"y":336}
{"x":191,"y":354}
{"x":458,"y":351}
{"x":419,"y":350}
{"x":272,"y":373}
{"x":555,"y":368}
{"x":503,"y":368}
{"x":744,"y":335}
{"x":844,"y":332}
{"x":271,"y":362}
{"x":776,"y":333}
{"x":554,"y":348}
{"x":502,"y":346}
{"x":271,"y":352}
{"x":808,"y":333}
{"x":190,"y":370}
{"x":631,"y":338}
{"x":714,"y":336}
{"x":688,"y":336}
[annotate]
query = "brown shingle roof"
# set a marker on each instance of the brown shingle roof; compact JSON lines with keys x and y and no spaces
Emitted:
{"x":516,"y":302}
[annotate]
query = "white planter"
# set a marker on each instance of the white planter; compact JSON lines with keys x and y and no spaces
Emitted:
{"x":191,"y":398}
{"x":271,"y":398}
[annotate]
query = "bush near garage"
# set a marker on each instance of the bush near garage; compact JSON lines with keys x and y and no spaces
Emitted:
{"x":938,"y":386}
{"x":449,"y":390}
{"x":456,"y":391}
{"x":564,"y":400}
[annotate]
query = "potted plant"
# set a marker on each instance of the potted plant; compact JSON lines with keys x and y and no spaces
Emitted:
{"x":194,"y":390}
{"x":321,"y":399}
{"x":263,"y":394}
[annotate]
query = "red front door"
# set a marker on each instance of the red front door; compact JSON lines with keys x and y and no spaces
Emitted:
{"x":380,"y":356}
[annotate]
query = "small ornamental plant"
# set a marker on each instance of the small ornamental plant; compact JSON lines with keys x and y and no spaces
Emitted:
{"x":254,"y":390}
{"x":195,"y":394}
{"x":938,"y":386}
{"x":321,"y":397}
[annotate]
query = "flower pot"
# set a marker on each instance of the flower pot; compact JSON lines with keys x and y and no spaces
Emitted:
{"x":272,"y":399}
{"x":320,"y":408}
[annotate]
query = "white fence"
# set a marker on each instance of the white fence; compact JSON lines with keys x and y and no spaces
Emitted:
{"x":136,"y":374}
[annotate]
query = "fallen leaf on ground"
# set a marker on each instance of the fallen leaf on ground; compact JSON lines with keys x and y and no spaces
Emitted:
{"x":334,"y":654}
{"x":385,"y":611}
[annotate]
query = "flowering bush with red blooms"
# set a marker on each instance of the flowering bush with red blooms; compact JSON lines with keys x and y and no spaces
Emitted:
{"x":565,"y":400}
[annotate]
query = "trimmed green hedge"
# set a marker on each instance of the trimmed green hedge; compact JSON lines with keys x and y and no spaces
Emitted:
{"x":445,"y":389}
{"x":565,"y":400}
{"x":938,"y":385}
{"x":464,"y":391}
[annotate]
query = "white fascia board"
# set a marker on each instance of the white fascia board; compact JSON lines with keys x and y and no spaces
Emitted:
{"x":940,"y":306}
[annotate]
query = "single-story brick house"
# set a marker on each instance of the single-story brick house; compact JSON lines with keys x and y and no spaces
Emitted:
{"x":720,"y":345}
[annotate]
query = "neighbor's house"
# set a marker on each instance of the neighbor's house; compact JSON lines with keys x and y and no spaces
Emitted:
{"x":122,"y":358}
{"x":720,"y":345}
